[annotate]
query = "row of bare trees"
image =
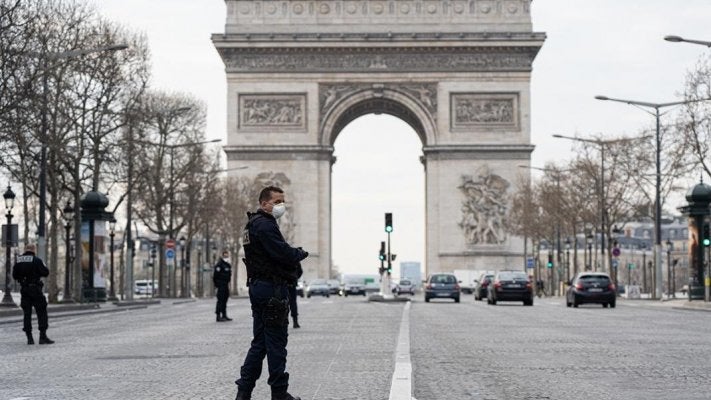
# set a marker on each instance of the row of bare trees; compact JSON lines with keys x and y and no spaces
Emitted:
{"x":93,"y":113}
{"x":610,"y":181}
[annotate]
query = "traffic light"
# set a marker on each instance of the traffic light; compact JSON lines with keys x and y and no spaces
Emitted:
{"x":388,"y":222}
{"x":153,"y":251}
{"x":707,"y":236}
{"x":382,"y":251}
{"x":550,"y":261}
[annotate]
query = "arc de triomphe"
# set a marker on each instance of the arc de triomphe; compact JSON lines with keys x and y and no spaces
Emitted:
{"x":457,"y":71}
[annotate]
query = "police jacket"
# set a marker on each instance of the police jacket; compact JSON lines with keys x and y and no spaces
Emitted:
{"x":29,"y":269}
{"x":222,"y":273}
{"x":267,"y":254}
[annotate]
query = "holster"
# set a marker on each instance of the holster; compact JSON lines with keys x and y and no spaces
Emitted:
{"x":276,"y":313}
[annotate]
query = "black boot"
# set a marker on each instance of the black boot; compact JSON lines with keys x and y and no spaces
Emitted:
{"x":30,"y":340}
{"x":44,"y":339}
{"x":225,"y":317}
{"x":296,"y":322}
{"x":241,"y":395}
{"x":220,"y":318}
{"x":284,"y":396}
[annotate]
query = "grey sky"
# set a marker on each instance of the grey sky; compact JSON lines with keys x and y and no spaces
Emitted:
{"x":611,"y":47}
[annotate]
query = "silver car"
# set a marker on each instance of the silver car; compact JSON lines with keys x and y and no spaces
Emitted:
{"x":404,"y":286}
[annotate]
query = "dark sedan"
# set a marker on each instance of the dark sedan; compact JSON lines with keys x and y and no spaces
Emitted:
{"x":591,"y":287}
{"x":510,"y":286}
{"x":482,"y":286}
{"x":442,"y":286}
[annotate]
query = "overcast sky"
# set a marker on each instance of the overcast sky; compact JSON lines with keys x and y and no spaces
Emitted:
{"x":610,"y":47}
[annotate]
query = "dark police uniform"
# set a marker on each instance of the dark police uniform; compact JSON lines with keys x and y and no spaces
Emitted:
{"x":28,"y":270}
{"x":293,"y":306}
{"x":221,"y":277}
{"x":271,"y":266}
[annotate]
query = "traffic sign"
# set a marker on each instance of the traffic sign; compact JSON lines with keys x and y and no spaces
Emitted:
{"x":170,"y":243}
{"x":616,"y":251}
{"x":529,"y":262}
{"x":169,"y":254}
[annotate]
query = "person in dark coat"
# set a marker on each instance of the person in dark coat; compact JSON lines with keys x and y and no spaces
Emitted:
{"x":293,"y":306}
{"x":272,"y":265}
{"x":28,"y":270}
{"x":221,"y":278}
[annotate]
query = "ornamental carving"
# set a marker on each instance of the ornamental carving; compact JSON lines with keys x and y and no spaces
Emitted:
{"x":424,"y":94}
{"x":376,"y":60}
{"x":484,"y":110}
{"x":272,"y":110}
{"x":484,"y":208}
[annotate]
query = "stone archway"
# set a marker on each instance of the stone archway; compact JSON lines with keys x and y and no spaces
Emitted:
{"x":457,"y":71}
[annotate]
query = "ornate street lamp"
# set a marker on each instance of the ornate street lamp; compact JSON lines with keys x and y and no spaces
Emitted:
{"x":9,"y":197}
{"x":68,"y":214}
{"x":112,"y":233}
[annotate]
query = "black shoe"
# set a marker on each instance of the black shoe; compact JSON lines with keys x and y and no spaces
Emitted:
{"x":221,"y":319}
{"x":243,"y":395}
{"x":30,"y":340}
{"x":296,"y":323}
{"x":45,"y":340}
{"x":226,"y":318}
{"x":284,"y":396}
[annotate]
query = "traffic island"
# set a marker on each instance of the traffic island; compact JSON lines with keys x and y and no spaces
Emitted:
{"x":387,"y":298}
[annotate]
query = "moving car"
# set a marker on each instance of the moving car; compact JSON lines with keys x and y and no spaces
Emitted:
{"x":591,"y":287}
{"x":404,"y":286}
{"x":334,"y":286}
{"x":482,"y":286}
{"x":510,"y":286}
{"x":353,"y":288}
{"x":318,"y":287}
{"x":442,"y":286}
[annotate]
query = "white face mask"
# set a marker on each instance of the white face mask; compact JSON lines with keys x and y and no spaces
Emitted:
{"x":278,"y":210}
{"x":226,"y":259}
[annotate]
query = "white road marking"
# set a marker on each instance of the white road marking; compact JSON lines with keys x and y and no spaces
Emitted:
{"x":401,"y":384}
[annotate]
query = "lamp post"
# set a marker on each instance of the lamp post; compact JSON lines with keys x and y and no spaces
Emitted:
{"x":588,"y":261}
{"x":567,"y":259}
{"x":644,"y":267}
{"x":153,"y":269}
{"x":183,"y":278}
{"x":670,"y":247}
{"x":658,"y":181}
{"x":9,"y":197}
{"x":112,"y":233}
{"x":68,"y":213}
{"x":677,"y":39}
{"x":41,"y":240}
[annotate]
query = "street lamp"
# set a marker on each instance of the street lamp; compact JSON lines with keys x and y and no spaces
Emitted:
{"x":68,"y":214}
{"x":9,"y":197}
{"x":112,"y":233}
{"x":658,"y":184}
{"x":588,"y":261}
{"x":670,"y":247}
{"x":41,"y":240}
{"x":567,"y":259}
{"x":677,"y":39}
{"x":183,"y":278}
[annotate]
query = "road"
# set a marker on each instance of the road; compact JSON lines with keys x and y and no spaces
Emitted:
{"x":346,"y":350}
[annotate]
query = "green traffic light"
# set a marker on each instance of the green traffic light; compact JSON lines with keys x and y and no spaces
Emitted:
{"x":707,"y":242}
{"x":388,"y":229}
{"x":550,"y":265}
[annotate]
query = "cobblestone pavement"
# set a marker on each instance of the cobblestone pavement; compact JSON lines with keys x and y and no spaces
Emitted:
{"x":473,"y":350}
{"x":346,"y":348}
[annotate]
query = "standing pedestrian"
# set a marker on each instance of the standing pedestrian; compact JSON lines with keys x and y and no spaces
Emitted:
{"x":293,"y":307}
{"x":221,"y":278}
{"x":272,"y":265}
{"x":28,"y":270}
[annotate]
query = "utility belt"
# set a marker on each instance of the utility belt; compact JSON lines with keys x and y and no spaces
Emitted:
{"x":28,"y":285}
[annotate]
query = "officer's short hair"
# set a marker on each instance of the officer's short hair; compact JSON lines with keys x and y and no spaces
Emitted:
{"x":30,"y":247}
{"x":266,"y":193}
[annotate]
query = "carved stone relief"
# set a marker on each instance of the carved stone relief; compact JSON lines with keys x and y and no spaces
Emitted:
{"x":484,"y":111}
{"x":272,"y":110}
{"x":377,"y":60}
{"x":423,"y":93}
{"x":484,"y":208}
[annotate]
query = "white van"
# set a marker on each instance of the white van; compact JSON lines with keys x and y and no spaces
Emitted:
{"x":144,"y":286}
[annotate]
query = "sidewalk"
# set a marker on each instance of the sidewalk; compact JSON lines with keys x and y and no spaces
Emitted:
{"x":678,"y":303}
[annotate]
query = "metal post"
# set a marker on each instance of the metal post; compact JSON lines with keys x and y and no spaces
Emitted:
{"x":7,"y":297}
{"x":644,"y":269}
{"x":658,"y":217}
{"x":90,"y":285}
{"x":41,"y":240}
{"x":112,"y":293}
{"x":182,"y":269}
{"x":128,"y":277}
{"x":153,"y":270}
{"x":669,"y":286}
{"x":66,"y":296}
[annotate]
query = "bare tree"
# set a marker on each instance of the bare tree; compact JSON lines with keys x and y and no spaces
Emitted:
{"x":695,"y":122}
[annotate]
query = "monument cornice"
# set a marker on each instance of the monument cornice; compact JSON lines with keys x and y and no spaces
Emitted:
{"x":378,"y":37}
{"x":479,"y":152}
{"x":272,"y":152}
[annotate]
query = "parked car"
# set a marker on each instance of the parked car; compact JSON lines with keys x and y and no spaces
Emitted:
{"x":144,"y":286}
{"x":591,"y":287}
{"x":510,"y":286}
{"x":482,"y":286}
{"x":353,"y":288}
{"x":334,"y":286}
{"x":318,"y":287}
{"x":300,"y":288}
{"x":442,"y":286}
{"x":404,"y":286}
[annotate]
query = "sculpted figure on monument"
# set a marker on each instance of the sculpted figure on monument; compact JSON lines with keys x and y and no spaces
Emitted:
{"x":484,"y":208}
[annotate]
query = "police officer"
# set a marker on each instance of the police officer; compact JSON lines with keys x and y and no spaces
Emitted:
{"x":293,"y":307}
{"x":28,"y":270}
{"x":221,"y":277}
{"x":272,"y":265}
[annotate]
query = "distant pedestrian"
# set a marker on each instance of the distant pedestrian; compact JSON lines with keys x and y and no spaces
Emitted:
{"x":272,"y":266}
{"x":221,"y":277}
{"x":28,"y":270}
{"x":293,"y":306}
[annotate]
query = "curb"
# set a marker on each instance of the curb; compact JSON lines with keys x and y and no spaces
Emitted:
{"x":73,"y":314}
